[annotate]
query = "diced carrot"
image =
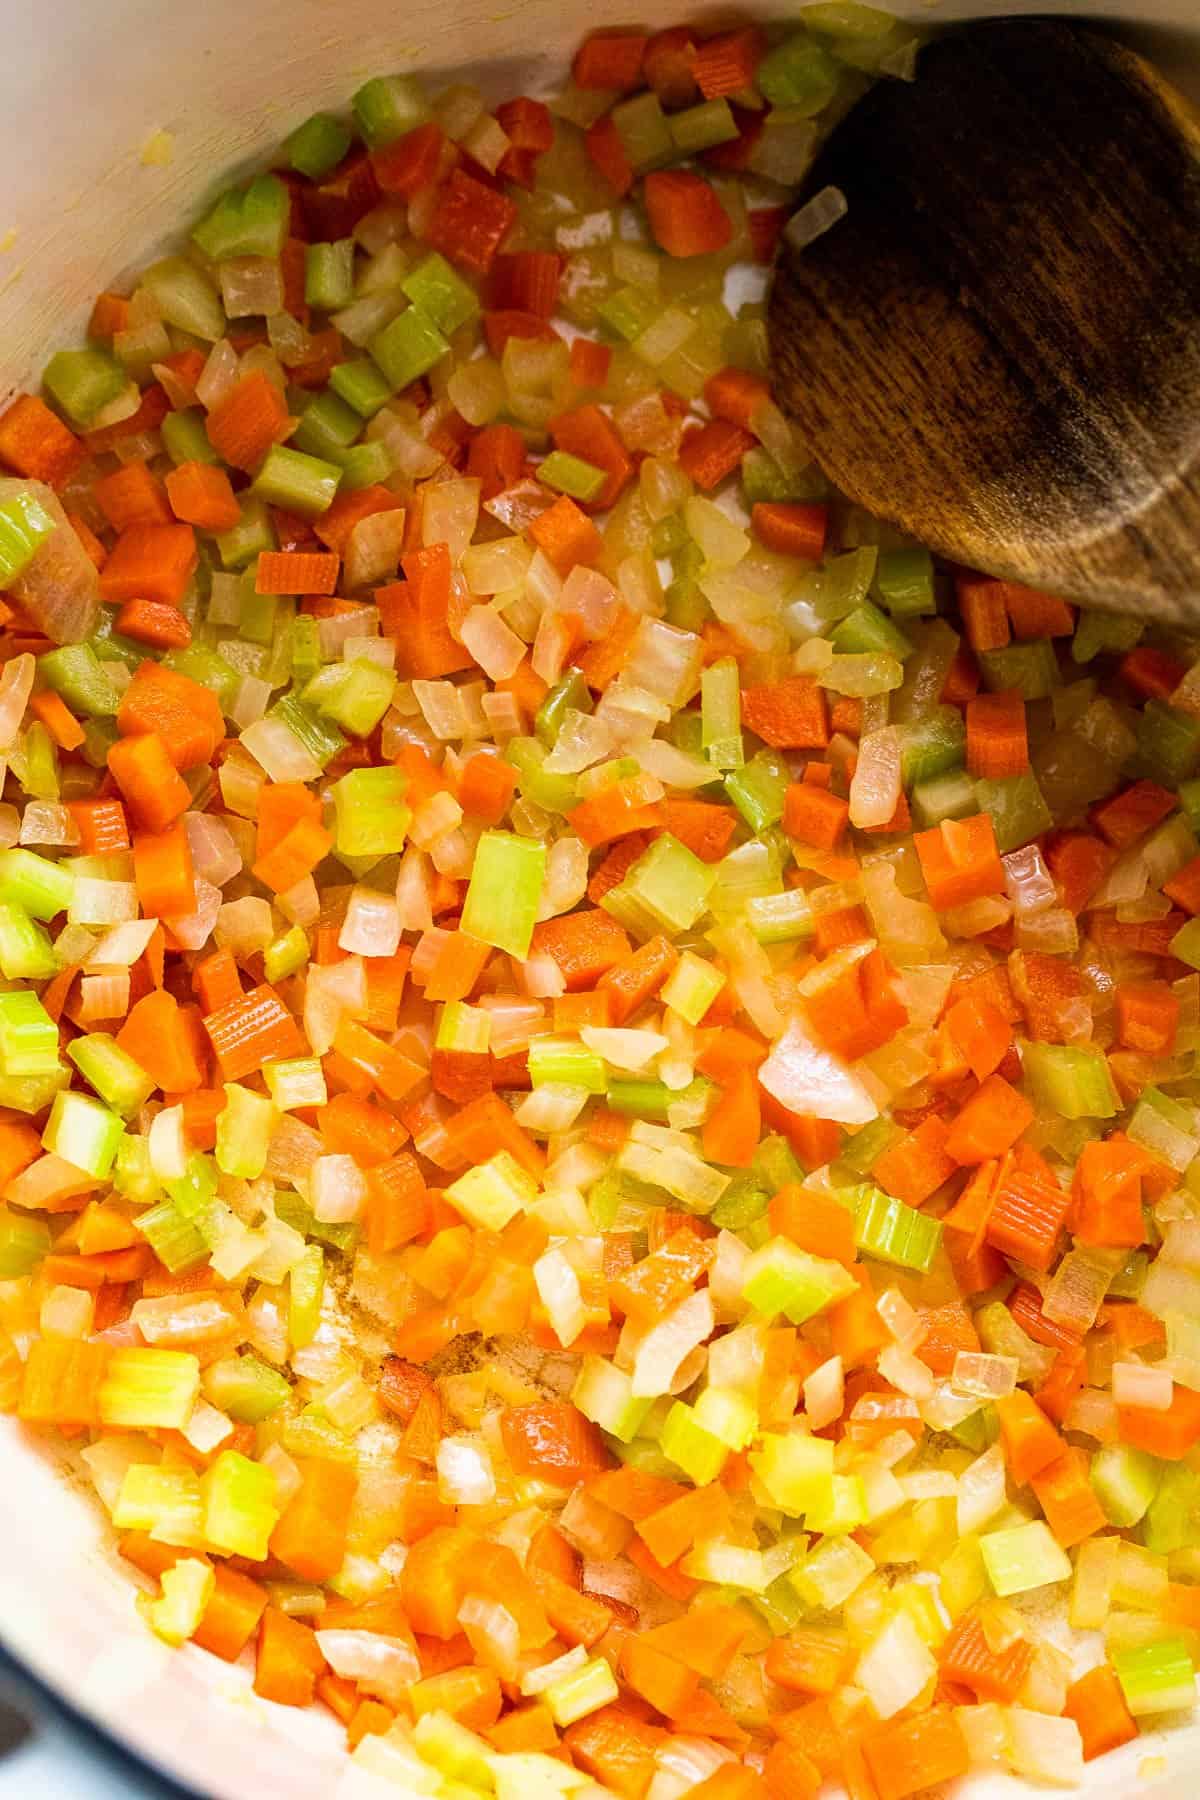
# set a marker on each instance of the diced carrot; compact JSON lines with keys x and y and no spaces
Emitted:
{"x":1031,"y":1443}
{"x":149,"y":562}
{"x":711,"y":452}
{"x":607,"y":152}
{"x":984,"y":614}
{"x":856,"y":1010}
{"x":809,"y":1661}
{"x":58,"y":719}
{"x":617,"y":1746}
{"x":246,"y":421}
{"x":623,"y":806}
{"x":470,"y":222}
{"x":790,"y":1774}
{"x":635,"y":979}
{"x":232,"y":1615}
{"x":154,"y":622}
{"x":185,"y":715}
{"x":590,"y":363}
{"x":296,"y":572}
{"x":585,"y":945}
{"x":296,"y":855}
{"x":916,"y":1166}
{"x":962,"y":680}
{"x":701,"y":827}
{"x":730,"y":1133}
{"x":981,"y":1033}
{"x":1133,"y":812}
{"x":790,"y":714}
{"x":920,"y":1751}
{"x":1106,"y":1193}
{"x":791,"y":528}
{"x":553,"y":1441}
{"x":1028,"y":1207}
{"x":1096,"y":1702}
{"x":414,"y":611}
{"x":152,"y":787}
{"x":685,"y":213}
{"x":611,"y":60}
{"x":311,"y":1535}
{"x":250,"y":1030}
{"x":163,"y":1038}
{"x":997,"y":742}
{"x":1152,"y":674}
{"x":60,"y":1383}
{"x":1170,"y":1434}
{"x":289,"y":1660}
{"x":589,"y":433}
{"x":1147,"y":1017}
{"x":967,"y":1659}
{"x":1034,"y":614}
{"x":411,"y":163}
{"x":668,"y":1685}
{"x":163,"y":873}
{"x":1066,"y":1497}
{"x":817,"y":1225}
{"x":131,"y":495}
{"x":35,"y":442}
{"x":727,"y":64}
{"x":669,"y":65}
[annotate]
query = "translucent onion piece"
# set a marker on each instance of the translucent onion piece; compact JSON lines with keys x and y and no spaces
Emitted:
{"x":372,"y":924}
{"x":215,"y":856}
{"x":219,"y":374}
{"x":373,"y":549}
{"x":494,"y":645}
{"x":815,"y":217}
{"x":167,"y":1145}
{"x":624,"y":1048}
{"x":987,"y":1377}
{"x":45,"y":822}
{"x":245,"y":926}
{"x":981,"y":1490}
{"x":566,"y":877}
{"x":666,"y":1344}
{"x":103,"y":997}
{"x":381,"y":1665}
{"x":121,"y":947}
{"x":1028,"y":882}
{"x":337,"y":1188}
{"x":875,"y":789}
{"x":825,"y":1393}
{"x":1142,"y":1384}
{"x":810,"y":1081}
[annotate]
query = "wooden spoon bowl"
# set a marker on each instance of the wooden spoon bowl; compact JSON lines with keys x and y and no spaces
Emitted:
{"x":998,"y":347}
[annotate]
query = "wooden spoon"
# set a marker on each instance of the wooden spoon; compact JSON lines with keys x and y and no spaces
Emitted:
{"x":998,"y":347}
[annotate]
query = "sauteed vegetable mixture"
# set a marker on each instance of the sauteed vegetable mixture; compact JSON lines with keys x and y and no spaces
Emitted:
{"x":597,"y":1053}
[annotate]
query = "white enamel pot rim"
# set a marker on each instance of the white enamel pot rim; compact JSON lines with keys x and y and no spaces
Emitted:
{"x":83,"y":85}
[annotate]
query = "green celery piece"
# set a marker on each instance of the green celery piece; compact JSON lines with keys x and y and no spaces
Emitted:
{"x":780,"y":918}
{"x":354,"y":695}
{"x":758,"y":789}
{"x":253,"y":533}
{"x":329,"y":274}
{"x":120,"y":1082}
{"x":764,"y":478}
{"x":1032,"y":669}
{"x":83,"y":382}
{"x":1157,"y":1677}
{"x":24,"y":1241}
{"x":25,"y":526}
{"x":363,"y":465}
{"x":1172,"y":1519}
{"x":208,"y":668}
{"x":1099,"y":633}
{"x":305,"y":647}
{"x":867,"y":629}
{"x":1023,"y":1557}
{"x":504,"y":892}
{"x":327,"y":427}
{"x":110,"y":646}
{"x":948,"y":796}
{"x":258,"y":611}
{"x":690,"y":1447}
{"x":388,"y":106}
{"x":569,"y":694}
{"x":978,"y":1431}
{"x":243,"y":1132}
{"x":26,"y":953}
{"x":932,"y":745}
{"x":781,"y":1278}
{"x":33,"y":759}
{"x":303,"y":484}
{"x":32,"y":1093}
{"x":702,"y":127}
{"x":306,"y":1289}
{"x":245,"y":1388}
{"x":604,"y":1395}
{"x":644,"y":131}
{"x":641,"y":1097}
{"x":1189,"y":800}
{"x":1018,"y":810}
{"x":239,"y":1506}
{"x":362,"y":385}
{"x":186,"y":298}
{"x":742,"y":1203}
{"x":904,"y":582}
{"x":441,"y":293}
{"x":669,"y":536}
{"x":567,"y":1061}
{"x":321,"y":739}
{"x":83,"y":1132}
{"x":372,"y":818}
{"x":567,"y":474}
{"x":27,"y":1035}
{"x":408,"y":347}
{"x":894,"y":1233}
{"x":721,"y":715}
{"x":775,"y":1163}
{"x":667,"y":889}
{"x":35,"y":884}
{"x":628,"y":312}
{"x":556,"y":793}
{"x":317,"y":146}
{"x":860,"y":1153}
{"x":285,"y":955}
{"x":253,"y":222}
{"x":1069,"y":1081}
{"x":1185,"y":945}
{"x":796,"y":1471}
{"x":76,"y":674}
{"x":185,"y":438}
{"x":1125,"y":1482}
{"x":1168,"y":743}
{"x":799,"y":74}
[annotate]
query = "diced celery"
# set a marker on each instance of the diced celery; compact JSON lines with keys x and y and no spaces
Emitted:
{"x":387,"y":106}
{"x":504,"y":891}
{"x":948,"y":796}
{"x":354,"y":695}
{"x":83,"y":382}
{"x":702,"y":127}
{"x":868,"y":629}
{"x":25,"y":526}
{"x":185,"y":438}
{"x":362,"y":385}
{"x":666,"y":889}
{"x":492,"y":1194}
{"x":317,"y":146}
{"x":781,"y":1278}
{"x":252,"y":222}
{"x":894,"y":1233}
{"x":931,"y":745}
{"x":244,"y":1132}
{"x":371,"y":816}
{"x":441,"y":293}
{"x":456,"y":1752}
{"x":1157,"y":1677}
{"x":843,"y":1510}
{"x":327,"y":427}
{"x":780,"y":918}
{"x":83,"y":1132}
{"x":1032,"y":669}
{"x":568,"y":474}
{"x":642,"y":1098}
{"x":303,"y":484}
{"x":629,"y":312}
{"x":1125,"y":1481}
{"x":149,"y":1390}
{"x":187,"y":1588}
{"x":1018,"y":810}
{"x":556,"y":793}
{"x":75,"y":672}
{"x":1098,"y":633}
{"x":570,"y":694}
{"x":729,"y":1415}
{"x":239,"y":1506}
{"x":120,"y":1082}
{"x":581,"y":1692}
{"x":175,"y":1241}
{"x":604,"y":1394}
{"x":1168,"y":743}
{"x":306,"y":1293}
{"x":35,"y":884}
{"x":329,"y":274}
{"x":246,"y":540}
{"x":644,"y":131}
{"x":1023,"y":1557}
{"x":408,"y":347}
{"x":286,"y":955}
{"x":245,"y":1388}
{"x":1185,"y":945}
{"x":799,"y":74}
{"x":690,"y":1447}
{"x":904,"y":582}
{"x":26,"y":953}
{"x":860,"y":1153}
{"x":691,"y":987}
{"x":1172,"y":1519}
{"x":566,"y":1062}
{"x":795,"y":1471}
{"x":24,"y":1241}
{"x":1189,"y":800}
{"x":758,"y":789}
{"x":1070,"y":1081}
{"x":321,"y":739}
